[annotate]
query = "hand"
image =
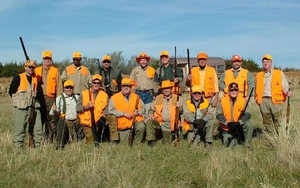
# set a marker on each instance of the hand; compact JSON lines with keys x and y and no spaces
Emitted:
{"x":127,"y":115}
{"x":199,"y":123}
{"x":233,"y":126}
{"x":189,"y":77}
{"x":54,"y":107}
{"x":176,"y":80}
{"x":34,"y":94}
{"x":91,"y":104}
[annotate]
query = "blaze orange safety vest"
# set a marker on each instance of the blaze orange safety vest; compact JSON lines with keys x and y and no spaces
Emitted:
{"x":24,"y":83}
{"x":192,"y":108}
{"x":238,"y":107}
{"x":99,"y":105}
{"x":72,"y":70}
{"x":209,"y":80}
{"x":159,"y":104}
{"x":121,"y":104}
{"x":51,"y":80}
{"x":278,"y":96}
{"x":240,"y":79}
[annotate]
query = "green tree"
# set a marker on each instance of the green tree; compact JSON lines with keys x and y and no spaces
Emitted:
{"x":12,"y":69}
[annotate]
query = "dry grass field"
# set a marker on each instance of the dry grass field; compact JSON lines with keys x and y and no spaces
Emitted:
{"x":272,"y":162}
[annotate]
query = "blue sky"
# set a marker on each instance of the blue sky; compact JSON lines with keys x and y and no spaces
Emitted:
{"x":250,"y":28}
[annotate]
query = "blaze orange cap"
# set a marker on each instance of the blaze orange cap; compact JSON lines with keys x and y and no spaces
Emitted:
{"x":76,"y":55}
{"x":267,"y":56}
{"x":236,"y":58}
{"x":166,"y":84}
{"x":69,"y":83}
{"x":196,"y":88}
{"x":30,"y":63}
{"x":47,"y":53}
{"x":97,"y":77}
{"x":164,"y":52}
{"x":202,"y":55}
{"x":106,"y":57}
{"x":127,"y":82}
{"x":142,"y":55}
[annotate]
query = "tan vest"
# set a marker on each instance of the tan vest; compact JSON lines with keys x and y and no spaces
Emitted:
{"x":22,"y":99}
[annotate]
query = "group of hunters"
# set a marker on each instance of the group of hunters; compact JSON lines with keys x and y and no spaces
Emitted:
{"x":77,"y":106}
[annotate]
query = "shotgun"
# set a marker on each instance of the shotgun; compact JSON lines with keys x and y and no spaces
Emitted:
{"x":176,"y":123}
{"x":131,"y":135}
{"x":288,"y":115}
{"x":31,"y":121}
{"x":24,"y":49}
{"x":94,"y":126}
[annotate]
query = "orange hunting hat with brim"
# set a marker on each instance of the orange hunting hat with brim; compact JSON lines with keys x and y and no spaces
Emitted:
{"x":267,"y":56}
{"x":127,"y":82}
{"x":166,"y":84}
{"x":164,"y":52}
{"x":236,"y":58}
{"x":202,"y":55}
{"x":106,"y":58}
{"x":47,"y":54}
{"x":97,"y":77}
{"x":30,"y":63}
{"x":76,"y":55}
{"x":196,"y":88}
{"x":69,"y":83}
{"x":142,"y":55}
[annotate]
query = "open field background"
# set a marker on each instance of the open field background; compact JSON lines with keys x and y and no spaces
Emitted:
{"x":272,"y":162}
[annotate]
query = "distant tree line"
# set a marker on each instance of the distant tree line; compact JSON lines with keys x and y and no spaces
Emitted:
{"x":12,"y":69}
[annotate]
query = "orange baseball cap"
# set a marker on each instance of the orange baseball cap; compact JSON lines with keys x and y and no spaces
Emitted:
{"x":76,"y":55}
{"x":267,"y":56}
{"x":97,"y":77}
{"x":164,"y":52}
{"x":236,"y":58}
{"x":47,"y":53}
{"x":202,"y":55}
{"x":69,"y":83}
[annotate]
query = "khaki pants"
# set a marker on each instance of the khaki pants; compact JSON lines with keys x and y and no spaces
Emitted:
{"x":21,"y":121}
{"x":138,"y":133}
{"x":152,"y":126}
{"x":271,"y":114}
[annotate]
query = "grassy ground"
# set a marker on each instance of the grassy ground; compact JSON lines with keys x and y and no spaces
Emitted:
{"x":80,"y":165}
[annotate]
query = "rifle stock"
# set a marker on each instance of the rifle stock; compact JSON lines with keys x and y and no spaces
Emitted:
{"x":131,"y":135}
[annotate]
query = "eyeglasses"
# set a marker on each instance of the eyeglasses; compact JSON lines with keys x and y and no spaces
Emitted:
{"x":233,"y":90}
{"x":126,"y":85}
{"x":197,"y":93}
{"x":69,"y":87}
{"x":97,"y":83}
{"x":164,"y":56}
{"x":106,"y":61}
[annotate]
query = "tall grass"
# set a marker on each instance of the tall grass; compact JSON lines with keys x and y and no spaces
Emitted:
{"x":272,"y":162}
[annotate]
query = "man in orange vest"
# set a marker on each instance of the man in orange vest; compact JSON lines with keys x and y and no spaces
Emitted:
{"x":206,"y":77}
{"x":233,"y":119}
{"x":78,"y":73}
{"x":271,"y":90}
{"x":49,"y":78}
{"x":237,"y":74}
{"x":96,"y":99}
{"x":197,"y":119}
{"x":143,"y":76}
{"x":162,"y":114}
{"x":129,"y":109}
{"x":25,"y":92}
{"x":65,"y":108}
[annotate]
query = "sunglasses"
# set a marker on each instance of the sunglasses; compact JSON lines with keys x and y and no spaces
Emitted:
{"x":69,"y":87}
{"x":76,"y":59}
{"x":164,"y":56}
{"x":97,"y":83}
{"x":31,"y":67}
{"x":106,"y":61}
{"x":197,"y":93}
{"x":233,"y":90}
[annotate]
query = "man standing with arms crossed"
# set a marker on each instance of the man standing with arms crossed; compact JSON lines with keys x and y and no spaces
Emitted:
{"x":239,"y":75}
{"x":49,"y":78}
{"x":272,"y":88}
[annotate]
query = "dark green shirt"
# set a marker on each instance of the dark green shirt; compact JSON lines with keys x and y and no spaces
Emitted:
{"x":167,"y":73}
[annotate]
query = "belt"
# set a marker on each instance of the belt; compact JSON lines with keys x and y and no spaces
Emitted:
{"x":143,"y":91}
{"x":267,"y":97}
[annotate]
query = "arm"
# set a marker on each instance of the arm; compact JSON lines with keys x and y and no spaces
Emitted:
{"x":64,"y":76}
{"x":285,"y":84}
{"x":79,"y":106}
{"x":220,"y":116}
{"x":250,"y":83}
{"x":14,"y":85}
{"x":188,"y":116}
{"x":221,"y":82}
